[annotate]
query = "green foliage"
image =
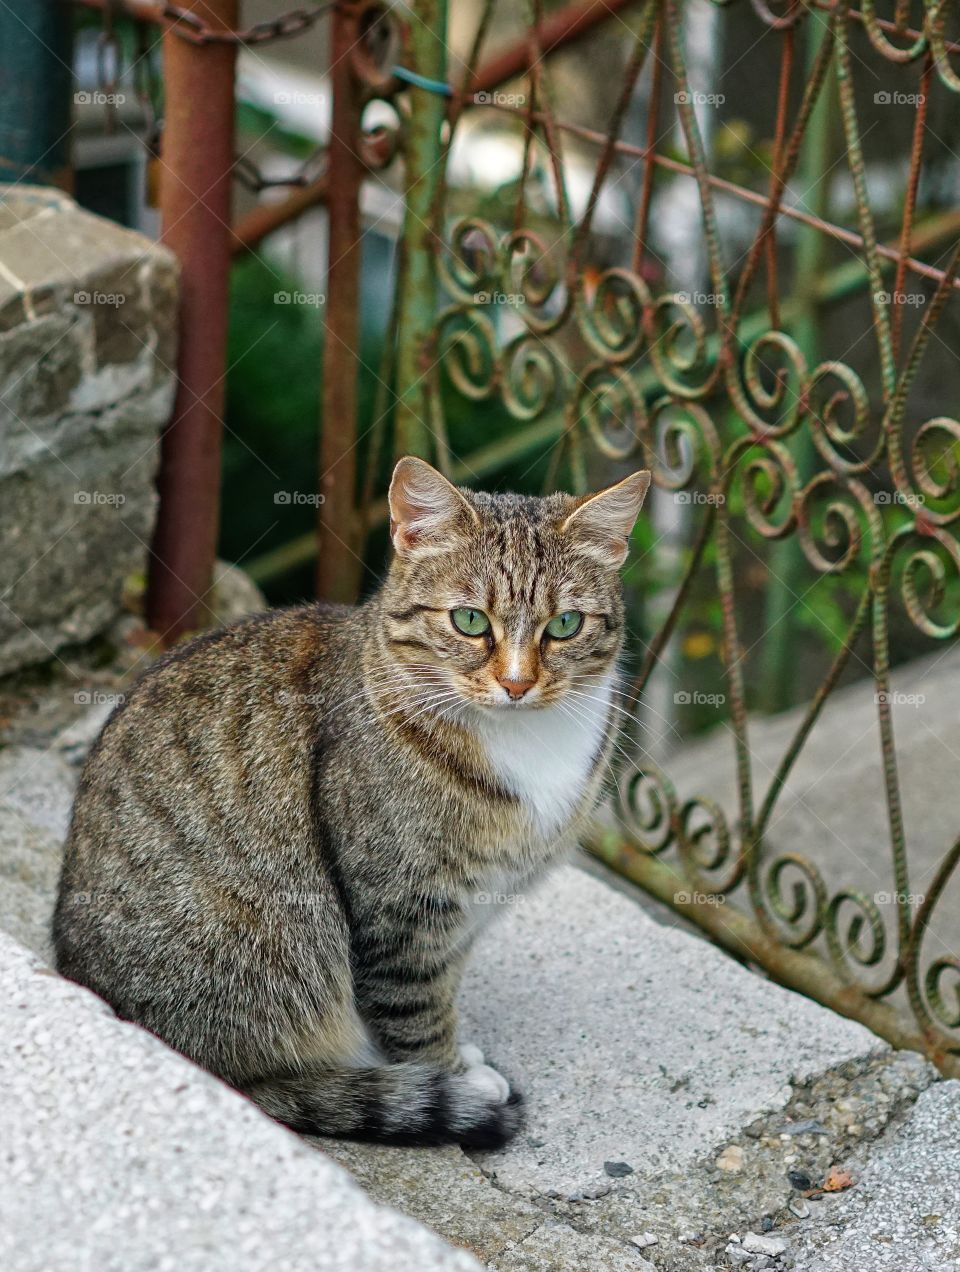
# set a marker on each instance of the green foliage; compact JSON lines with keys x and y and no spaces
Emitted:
{"x":273,"y":388}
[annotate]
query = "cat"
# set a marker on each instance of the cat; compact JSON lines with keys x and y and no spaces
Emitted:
{"x":287,"y":837}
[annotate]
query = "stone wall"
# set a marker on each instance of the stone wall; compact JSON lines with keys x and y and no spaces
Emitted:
{"x":87,"y":354}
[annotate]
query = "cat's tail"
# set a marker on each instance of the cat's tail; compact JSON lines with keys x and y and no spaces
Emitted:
{"x":406,"y":1103}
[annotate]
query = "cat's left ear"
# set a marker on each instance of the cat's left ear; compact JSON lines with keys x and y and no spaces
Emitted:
{"x":602,"y":522}
{"x":425,"y":509}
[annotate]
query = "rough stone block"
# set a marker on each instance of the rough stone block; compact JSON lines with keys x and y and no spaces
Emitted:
{"x":87,"y":339}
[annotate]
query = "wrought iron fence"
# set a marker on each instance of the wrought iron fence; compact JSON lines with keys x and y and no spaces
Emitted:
{"x":731,"y":399}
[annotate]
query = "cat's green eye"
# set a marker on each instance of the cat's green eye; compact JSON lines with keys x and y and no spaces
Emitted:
{"x":562,"y":626}
{"x":472,"y":622}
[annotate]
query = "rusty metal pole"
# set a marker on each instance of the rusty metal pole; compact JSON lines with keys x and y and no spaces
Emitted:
{"x":425,"y":50}
{"x":195,"y":186}
{"x":338,"y":561}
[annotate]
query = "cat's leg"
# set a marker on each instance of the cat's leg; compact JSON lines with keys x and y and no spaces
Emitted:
{"x":409,"y":1006}
{"x":411,"y":1011}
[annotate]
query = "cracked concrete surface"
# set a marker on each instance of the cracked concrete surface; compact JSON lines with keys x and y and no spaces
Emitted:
{"x":678,"y":1118}
{"x":675,"y":1099}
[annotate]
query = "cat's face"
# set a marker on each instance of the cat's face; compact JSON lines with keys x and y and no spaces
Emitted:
{"x":505,"y":601}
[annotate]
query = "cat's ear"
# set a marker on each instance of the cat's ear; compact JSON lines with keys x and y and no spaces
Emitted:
{"x":425,"y":509}
{"x":602,"y":522}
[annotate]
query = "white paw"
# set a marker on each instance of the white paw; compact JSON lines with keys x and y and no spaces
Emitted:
{"x":470,"y":1055}
{"x":494,"y":1086}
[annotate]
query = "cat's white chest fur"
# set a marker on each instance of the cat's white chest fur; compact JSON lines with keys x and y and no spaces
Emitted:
{"x":545,"y":755}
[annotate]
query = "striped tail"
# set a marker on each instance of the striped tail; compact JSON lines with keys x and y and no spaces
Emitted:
{"x":395,"y":1104}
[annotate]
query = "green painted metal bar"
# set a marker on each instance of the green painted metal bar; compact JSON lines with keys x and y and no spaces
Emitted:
{"x":36,"y":93}
{"x":787,"y":563}
{"x":425,"y":54}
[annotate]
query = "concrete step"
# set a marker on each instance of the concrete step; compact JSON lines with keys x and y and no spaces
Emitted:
{"x":120,"y":1156}
{"x":674,"y":1098}
{"x":833,"y":809}
{"x":670,"y":1092}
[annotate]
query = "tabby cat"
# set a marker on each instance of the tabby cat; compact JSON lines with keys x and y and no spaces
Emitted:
{"x":286,"y":839}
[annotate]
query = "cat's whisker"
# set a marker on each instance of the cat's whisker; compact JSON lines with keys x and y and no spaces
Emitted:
{"x":604,"y":702}
{"x":582,"y":716}
{"x":390,"y":682}
{"x":637,"y":699}
{"x":438,"y":694}
{"x":449,"y":697}
{"x":631,"y":715}
{"x":569,"y":709}
{"x":638,"y":747}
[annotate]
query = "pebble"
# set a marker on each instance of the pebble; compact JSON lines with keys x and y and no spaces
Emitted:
{"x":731,"y":1158}
{"x":617,"y":1170}
{"x":757,"y":1244}
{"x":645,"y":1239}
{"x":810,"y":1126}
{"x":737,"y":1254}
{"x":800,"y":1208}
{"x":595,"y":1193}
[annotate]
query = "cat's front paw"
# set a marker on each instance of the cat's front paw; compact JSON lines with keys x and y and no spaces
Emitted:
{"x":491,"y":1084}
{"x":470,"y":1054}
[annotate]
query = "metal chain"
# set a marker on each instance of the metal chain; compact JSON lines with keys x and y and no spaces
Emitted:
{"x":190,"y":28}
{"x":246,"y":172}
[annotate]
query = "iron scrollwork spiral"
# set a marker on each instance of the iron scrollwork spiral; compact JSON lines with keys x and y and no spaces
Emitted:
{"x":782,"y":447}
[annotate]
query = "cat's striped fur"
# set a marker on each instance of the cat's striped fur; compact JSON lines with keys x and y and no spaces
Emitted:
{"x":283,"y":842}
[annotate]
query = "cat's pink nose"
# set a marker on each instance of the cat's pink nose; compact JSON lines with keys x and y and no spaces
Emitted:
{"x":517,"y":688}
